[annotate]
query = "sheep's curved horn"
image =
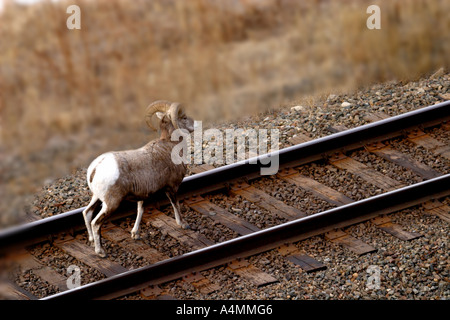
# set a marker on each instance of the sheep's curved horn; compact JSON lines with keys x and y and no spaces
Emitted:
{"x":161,"y":106}
{"x":176,"y":111}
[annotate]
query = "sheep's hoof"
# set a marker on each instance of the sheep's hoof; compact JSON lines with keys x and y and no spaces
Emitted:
{"x":185,"y":225}
{"x":101,"y":253}
{"x":135,"y":236}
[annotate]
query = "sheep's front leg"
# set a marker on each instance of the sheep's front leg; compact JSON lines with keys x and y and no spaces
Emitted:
{"x":176,"y":208}
{"x":135,"y":232}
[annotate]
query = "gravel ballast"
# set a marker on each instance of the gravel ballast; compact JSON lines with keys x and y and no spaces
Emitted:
{"x":416,"y":269}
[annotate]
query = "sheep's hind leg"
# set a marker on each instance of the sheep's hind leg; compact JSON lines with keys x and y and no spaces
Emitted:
{"x":176,"y":208}
{"x":135,"y":232}
{"x":96,"y":224}
{"x":87,"y":214}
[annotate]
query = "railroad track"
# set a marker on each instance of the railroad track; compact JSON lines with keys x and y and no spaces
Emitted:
{"x":242,"y":237}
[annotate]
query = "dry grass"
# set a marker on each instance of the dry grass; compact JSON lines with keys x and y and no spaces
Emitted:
{"x":67,"y":95}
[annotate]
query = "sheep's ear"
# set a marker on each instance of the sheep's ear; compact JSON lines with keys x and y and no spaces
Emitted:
{"x":160,"y":115}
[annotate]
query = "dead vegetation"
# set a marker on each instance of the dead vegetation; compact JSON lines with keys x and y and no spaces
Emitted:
{"x":66,"y":95}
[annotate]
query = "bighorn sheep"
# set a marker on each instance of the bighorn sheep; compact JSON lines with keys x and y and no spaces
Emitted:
{"x":137,"y":174}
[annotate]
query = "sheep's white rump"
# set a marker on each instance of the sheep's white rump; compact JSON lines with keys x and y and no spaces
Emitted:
{"x":104,"y":176}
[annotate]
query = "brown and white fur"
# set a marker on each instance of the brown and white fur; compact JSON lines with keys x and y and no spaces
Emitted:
{"x":137,"y":174}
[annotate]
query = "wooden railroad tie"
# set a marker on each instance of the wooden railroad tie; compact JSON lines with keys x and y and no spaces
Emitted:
{"x":265,"y":201}
{"x":155,"y":292}
{"x":383,"y":150}
{"x":342,"y":238}
{"x":301,"y":259}
{"x":364,"y":172}
{"x":385,"y":223}
{"x":85,"y":254}
{"x":438,"y":208}
{"x":251,"y":273}
{"x":240,"y":226}
{"x":11,"y":291}
{"x":424,"y":140}
{"x":418,"y":136}
{"x":216,"y":213}
{"x":201,"y":283}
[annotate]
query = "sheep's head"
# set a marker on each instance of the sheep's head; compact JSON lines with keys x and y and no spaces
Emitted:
{"x":172,"y":116}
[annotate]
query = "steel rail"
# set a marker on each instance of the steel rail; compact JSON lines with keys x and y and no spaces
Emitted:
{"x":260,"y":241}
{"x":319,"y":148}
{"x":218,"y":178}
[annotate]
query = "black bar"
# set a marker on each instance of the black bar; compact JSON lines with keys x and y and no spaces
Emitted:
{"x":260,"y":241}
